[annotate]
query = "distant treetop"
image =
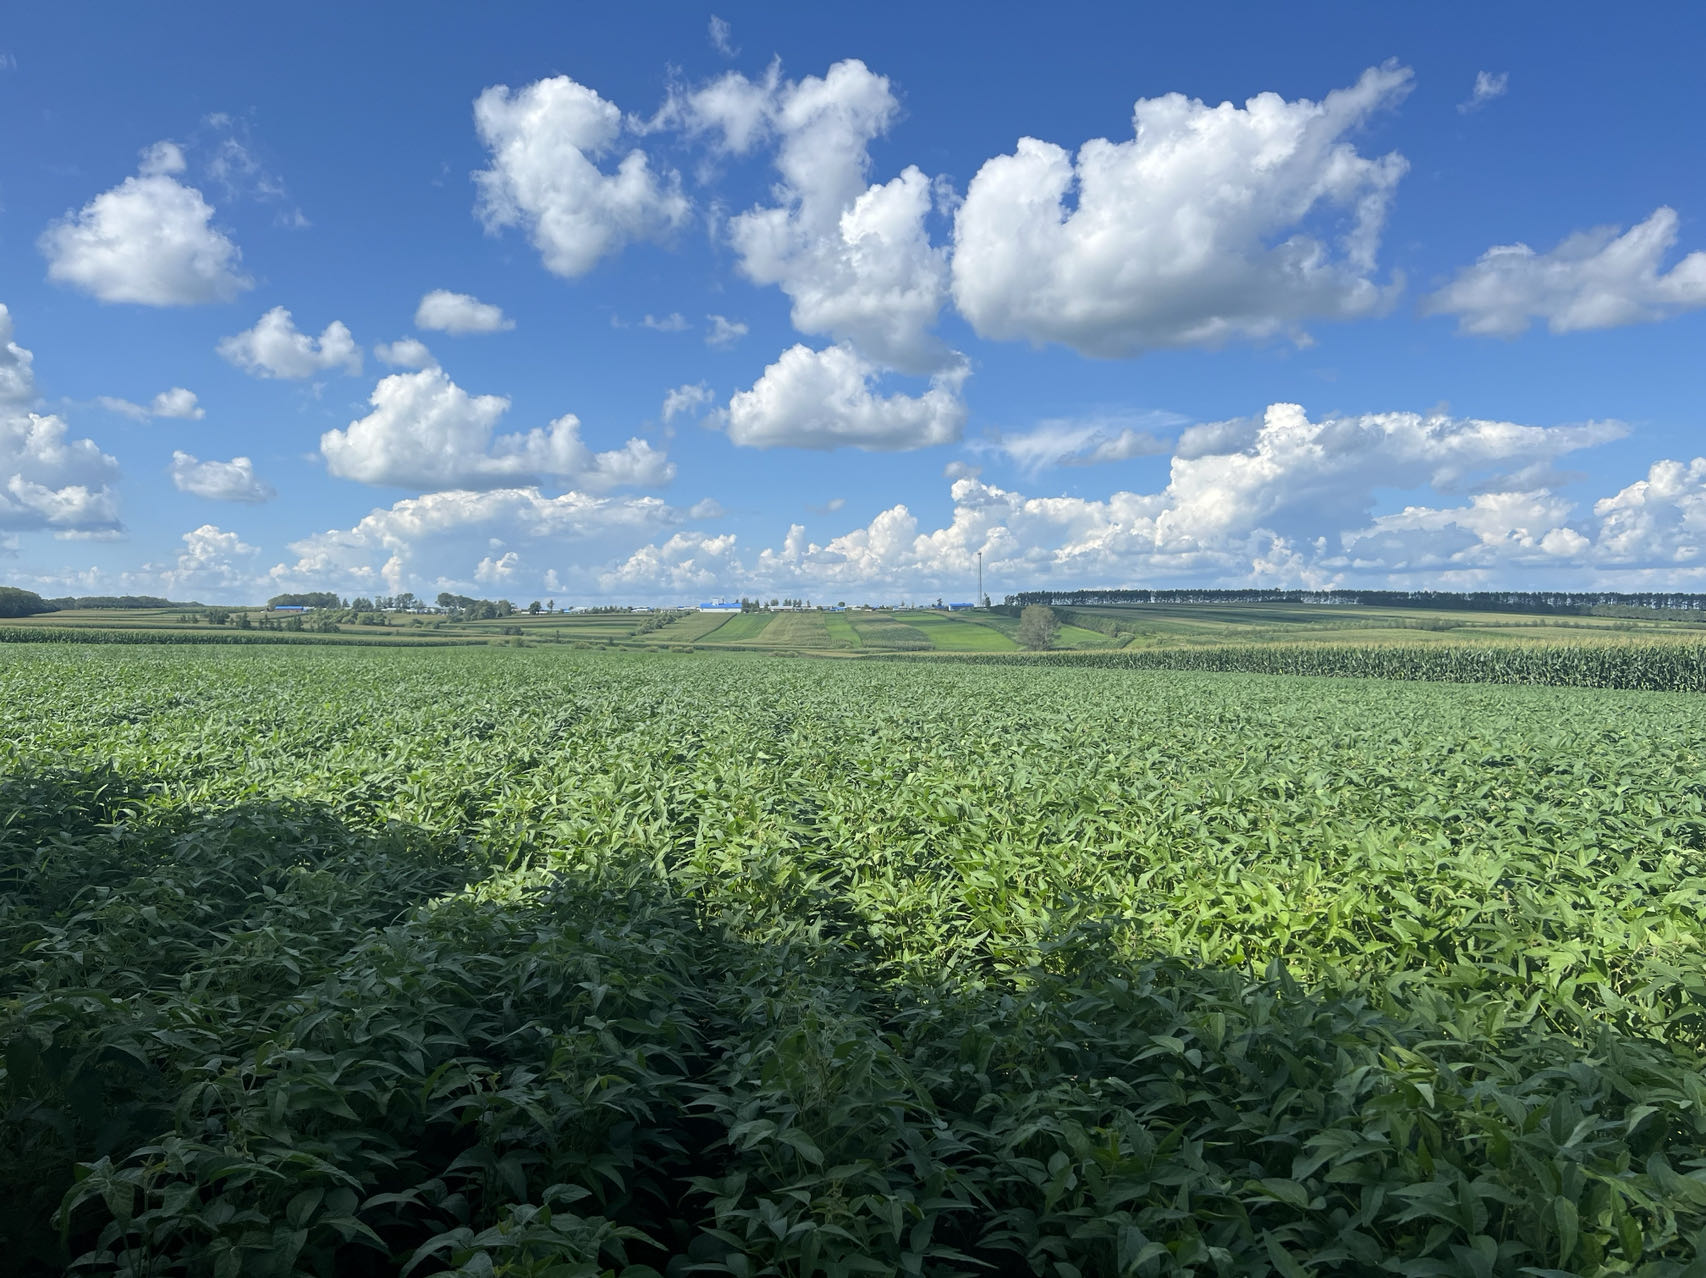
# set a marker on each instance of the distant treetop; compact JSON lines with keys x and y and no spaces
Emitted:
{"x":463,"y":608}
{"x":1543,"y":601}
{"x":69,"y":604}
{"x":21,"y":603}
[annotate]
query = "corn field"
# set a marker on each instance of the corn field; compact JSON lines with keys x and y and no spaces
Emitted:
{"x":1654,"y":667}
{"x":546,"y":962}
{"x":225,"y":638}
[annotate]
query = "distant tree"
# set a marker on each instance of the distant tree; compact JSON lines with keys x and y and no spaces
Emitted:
{"x":550,"y":605}
{"x":406,"y":602}
{"x":361,"y":604}
{"x":534,"y":607}
{"x":111,"y":601}
{"x":21,"y":603}
{"x":1037,"y":628}
{"x":312,"y":599}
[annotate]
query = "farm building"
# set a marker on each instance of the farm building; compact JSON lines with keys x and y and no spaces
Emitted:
{"x":719,"y":606}
{"x":961,"y":607}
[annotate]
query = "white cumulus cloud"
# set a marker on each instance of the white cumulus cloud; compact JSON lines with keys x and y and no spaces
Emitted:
{"x":825,"y":399}
{"x":687,"y":562}
{"x":1285,"y":499}
{"x":546,"y":140}
{"x":1499,"y":530}
{"x":212,"y":561}
{"x":175,"y":403}
{"x":48,"y":481}
{"x":274,"y":348}
{"x":1601,"y":278}
{"x":734,"y":110}
{"x":405,"y":352}
{"x":1658,"y":522}
{"x":440,"y":541}
{"x":459,"y":313}
{"x":17,"y":372}
{"x":685,"y":399}
{"x":233,"y":480}
{"x":426,"y":431}
{"x":854,"y":258}
{"x":1210,"y":223}
{"x":724,"y":332}
{"x":496,"y":570}
{"x":149,"y":240}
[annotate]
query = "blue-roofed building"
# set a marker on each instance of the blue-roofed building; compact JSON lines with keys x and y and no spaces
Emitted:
{"x":719,"y":606}
{"x":961,"y":607}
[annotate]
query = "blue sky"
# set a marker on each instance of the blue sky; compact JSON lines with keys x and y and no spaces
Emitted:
{"x":676,"y":302}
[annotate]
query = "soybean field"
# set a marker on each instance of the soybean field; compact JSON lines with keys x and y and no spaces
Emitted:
{"x":545,"y":961}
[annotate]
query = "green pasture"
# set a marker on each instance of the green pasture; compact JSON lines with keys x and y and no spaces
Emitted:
{"x":885,"y":632}
{"x":741,"y":627}
{"x":800,"y":631}
{"x":841,"y":631}
{"x":687,"y":628}
{"x":955,"y":632}
{"x":1188,"y":625}
{"x":1169,"y":634}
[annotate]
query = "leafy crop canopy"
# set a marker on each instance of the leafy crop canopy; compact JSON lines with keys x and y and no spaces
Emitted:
{"x":359,"y":961}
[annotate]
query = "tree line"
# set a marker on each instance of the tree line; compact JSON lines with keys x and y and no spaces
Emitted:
{"x":462,"y":608}
{"x":405,"y":602}
{"x":1564,"y":602}
{"x":15,"y":602}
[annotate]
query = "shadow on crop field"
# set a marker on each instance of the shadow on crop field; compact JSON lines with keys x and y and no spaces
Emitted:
{"x":257,"y":1040}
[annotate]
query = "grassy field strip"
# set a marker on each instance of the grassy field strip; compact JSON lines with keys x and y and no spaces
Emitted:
{"x":1139,"y":629}
{"x":580,"y":625}
{"x":841,"y":631}
{"x":1269,"y":623}
{"x":688,"y":628}
{"x":800,"y":630}
{"x":947,"y":633}
{"x":742,"y":627}
{"x":1079,"y":637}
{"x":883,"y":632}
